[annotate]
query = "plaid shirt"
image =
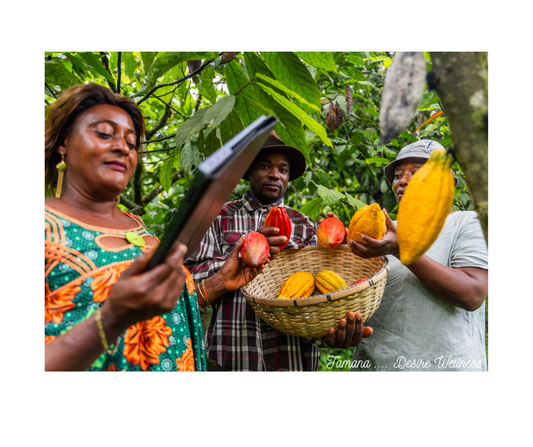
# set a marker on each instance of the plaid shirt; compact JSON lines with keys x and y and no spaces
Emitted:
{"x":237,"y":338}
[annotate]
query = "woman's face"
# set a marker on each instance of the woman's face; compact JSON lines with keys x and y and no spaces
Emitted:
{"x":100,"y":152}
{"x":403,"y":173}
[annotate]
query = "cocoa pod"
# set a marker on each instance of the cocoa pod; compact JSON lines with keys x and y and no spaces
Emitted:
{"x":424,"y":206}
{"x":340,"y":116}
{"x":403,"y":89}
{"x":255,"y":249}
{"x":328,"y":281}
{"x":330,"y":232}
{"x":349,"y":98}
{"x":278,"y":217}
{"x":228,"y":57}
{"x":298,"y":285}
{"x":368,"y":220}
{"x":360,"y":281}
{"x":331,"y":118}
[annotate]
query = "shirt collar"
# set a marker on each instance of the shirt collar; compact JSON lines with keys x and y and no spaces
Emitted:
{"x":251,"y":204}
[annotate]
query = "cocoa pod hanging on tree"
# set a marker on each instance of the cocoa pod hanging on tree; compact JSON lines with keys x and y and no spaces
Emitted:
{"x":349,"y":98}
{"x":403,"y":89}
{"x":331,"y":117}
{"x":340,"y":116}
{"x":193,"y":66}
{"x":228,"y":57}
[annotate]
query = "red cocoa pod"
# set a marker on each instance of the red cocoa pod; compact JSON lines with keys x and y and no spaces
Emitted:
{"x":278,"y":217}
{"x":330,"y":232}
{"x":359,"y":281}
{"x":255,"y":249}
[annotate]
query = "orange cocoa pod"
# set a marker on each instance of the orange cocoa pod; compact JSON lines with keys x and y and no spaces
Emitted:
{"x":255,"y":249}
{"x":298,"y":285}
{"x":328,"y":281}
{"x":330,"y":232}
{"x":278,"y":217}
{"x":368,"y":220}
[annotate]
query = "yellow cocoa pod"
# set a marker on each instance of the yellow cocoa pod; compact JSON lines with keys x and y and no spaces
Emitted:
{"x":368,"y":220}
{"x":298,"y":285}
{"x":328,"y":281}
{"x":424,"y":206}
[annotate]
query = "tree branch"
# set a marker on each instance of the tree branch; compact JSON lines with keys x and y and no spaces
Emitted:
{"x":154,"y":192}
{"x":463,"y":90}
{"x":178,"y":81}
{"x":119,"y":71}
{"x":105,"y":63}
{"x":132,"y":207}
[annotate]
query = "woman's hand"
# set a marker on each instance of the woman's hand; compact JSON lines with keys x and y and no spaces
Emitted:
{"x":387,"y":245}
{"x":140,"y":295}
{"x":136,"y":296}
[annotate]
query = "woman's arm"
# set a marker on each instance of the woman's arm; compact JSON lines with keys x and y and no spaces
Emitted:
{"x":136,"y":296}
{"x":464,"y":287}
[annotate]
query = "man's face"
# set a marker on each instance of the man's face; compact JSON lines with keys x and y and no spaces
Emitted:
{"x":403,"y":173}
{"x":269,"y":176}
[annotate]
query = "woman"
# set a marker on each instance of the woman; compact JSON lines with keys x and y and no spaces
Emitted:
{"x":432,"y":314}
{"x":94,"y":320}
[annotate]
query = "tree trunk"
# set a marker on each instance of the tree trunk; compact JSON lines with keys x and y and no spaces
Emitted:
{"x":462,"y":86}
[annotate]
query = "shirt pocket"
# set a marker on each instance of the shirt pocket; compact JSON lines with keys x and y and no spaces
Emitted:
{"x":228,"y":240}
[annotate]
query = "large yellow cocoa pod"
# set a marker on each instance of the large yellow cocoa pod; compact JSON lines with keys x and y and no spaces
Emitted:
{"x":328,"y":281}
{"x":368,"y":220}
{"x":298,"y":285}
{"x":424,"y":206}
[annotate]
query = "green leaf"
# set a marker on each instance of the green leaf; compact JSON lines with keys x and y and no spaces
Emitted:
{"x":378,"y":161}
{"x":207,"y":89}
{"x":94,"y":61}
{"x":78,"y":64}
{"x":56,"y":74}
{"x":190,"y":158}
{"x":428,"y":99}
{"x":148,"y":58}
{"x":288,"y":91}
{"x":254,"y":65}
{"x":330,"y":196}
{"x":166,"y":61}
{"x":293,"y":74}
{"x":311,"y":206}
{"x":230,"y":127}
{"x":218,"y":113}
{"x":300,"y":114}
{"x":353,"y":202}
{"x":322,"y":60}
{"x":193,"y":125}
{"x":165,"y":173}
{"x":446,"y":140}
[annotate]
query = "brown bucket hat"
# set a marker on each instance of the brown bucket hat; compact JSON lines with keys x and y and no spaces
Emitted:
{"x":297,"y":158}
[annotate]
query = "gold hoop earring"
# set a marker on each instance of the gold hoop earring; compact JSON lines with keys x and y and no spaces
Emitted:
{"x":117,"y":200}
{"x":61,"y":168}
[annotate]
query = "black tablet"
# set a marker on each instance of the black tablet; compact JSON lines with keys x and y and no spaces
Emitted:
{"x":211,"y":187}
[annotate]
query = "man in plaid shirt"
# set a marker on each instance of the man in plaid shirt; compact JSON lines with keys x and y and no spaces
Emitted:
{"x":237,"y":338}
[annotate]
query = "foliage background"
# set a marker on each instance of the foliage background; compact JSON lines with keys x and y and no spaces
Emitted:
{"x":194,"y":102}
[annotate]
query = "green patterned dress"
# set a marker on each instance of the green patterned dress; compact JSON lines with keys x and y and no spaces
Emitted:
{"x":81,"y":265}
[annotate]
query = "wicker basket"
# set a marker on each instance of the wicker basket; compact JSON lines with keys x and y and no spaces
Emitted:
{"x":313,"y":316}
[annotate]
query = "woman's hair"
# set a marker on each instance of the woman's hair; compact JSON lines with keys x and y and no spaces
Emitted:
{"x":62,"y":114}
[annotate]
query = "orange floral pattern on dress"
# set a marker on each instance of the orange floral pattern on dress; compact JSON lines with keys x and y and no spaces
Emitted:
{"x":104,"y":279}
{"x":186,"y":362}
{"x":144,"y":341}
{"x":189,"y":281}
{"x":49,"y":338}
{"x":60,"y":301}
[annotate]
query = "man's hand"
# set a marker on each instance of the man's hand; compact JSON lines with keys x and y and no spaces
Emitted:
{"x":350,"y":331}
{"x":273,"y":240}
{"x":387,"y":245}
